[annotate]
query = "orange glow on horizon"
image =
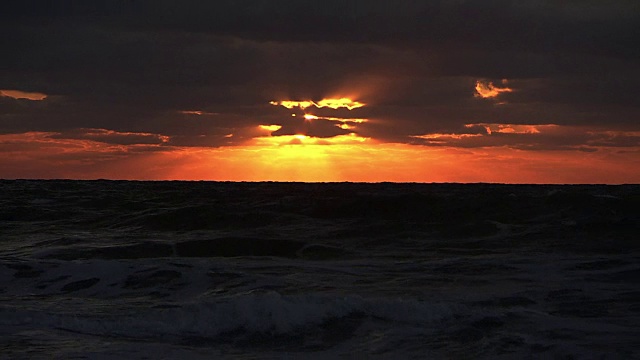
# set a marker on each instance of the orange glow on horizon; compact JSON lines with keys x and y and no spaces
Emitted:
{"x":277,"y":158}
{"x":397,"y":163}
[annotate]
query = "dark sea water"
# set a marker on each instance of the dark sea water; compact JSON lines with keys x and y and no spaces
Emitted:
{"x":203,"y":270}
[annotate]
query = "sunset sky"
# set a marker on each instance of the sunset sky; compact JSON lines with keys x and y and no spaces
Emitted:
{"x":321,"y":90}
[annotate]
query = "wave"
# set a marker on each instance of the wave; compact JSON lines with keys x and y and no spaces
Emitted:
{"x":251,"y":314}
{"x":599,"y":218}
{"x":201,"y":248}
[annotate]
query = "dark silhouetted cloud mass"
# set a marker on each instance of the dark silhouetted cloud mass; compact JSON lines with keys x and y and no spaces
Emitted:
{"x":527,"y":75}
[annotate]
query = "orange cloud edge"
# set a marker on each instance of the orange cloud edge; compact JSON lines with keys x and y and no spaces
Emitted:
{"x":18,"y":94}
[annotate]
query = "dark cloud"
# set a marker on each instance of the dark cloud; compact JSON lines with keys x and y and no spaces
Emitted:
{"x":315,"y":128}
{"x":139,"y":67}
{"x":496,"y":24}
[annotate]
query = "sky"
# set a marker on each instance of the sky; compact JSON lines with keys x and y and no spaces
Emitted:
{"x":321,"y":90}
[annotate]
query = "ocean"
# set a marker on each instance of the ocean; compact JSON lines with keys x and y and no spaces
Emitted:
{"x":224,"y":270}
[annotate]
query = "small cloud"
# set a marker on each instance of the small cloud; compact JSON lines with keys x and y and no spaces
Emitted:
{"x":17,"y":94}
{"x":487,"y":90}
{"x":514,"y":128}
{"x":437,"y":137}
{"x":113,"y":137}
{"x":196,"y":112}
{"x":346,"y":126}
{"x":270,"y":128}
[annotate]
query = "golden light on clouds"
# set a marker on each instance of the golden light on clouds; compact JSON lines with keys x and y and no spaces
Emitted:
{"x":346,"y":126}
{"x":340,"y":103}
{"x":339,"y":119}
{"x":515,"y":128}
{"x":330,"y":103}
{"x":344,"y":123}
{"x":270,"y":128}
{"x":487,"y":90}
{"x":476,"y":137}
{"x":17,"y":94}
{"x":293,"y":104}
{"x":256,"y":154}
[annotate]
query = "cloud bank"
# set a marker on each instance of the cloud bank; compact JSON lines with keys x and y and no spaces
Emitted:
{"x":525,"y":75}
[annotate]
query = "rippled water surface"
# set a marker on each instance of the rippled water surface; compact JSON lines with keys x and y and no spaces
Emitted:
{"x":110,"y":270}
